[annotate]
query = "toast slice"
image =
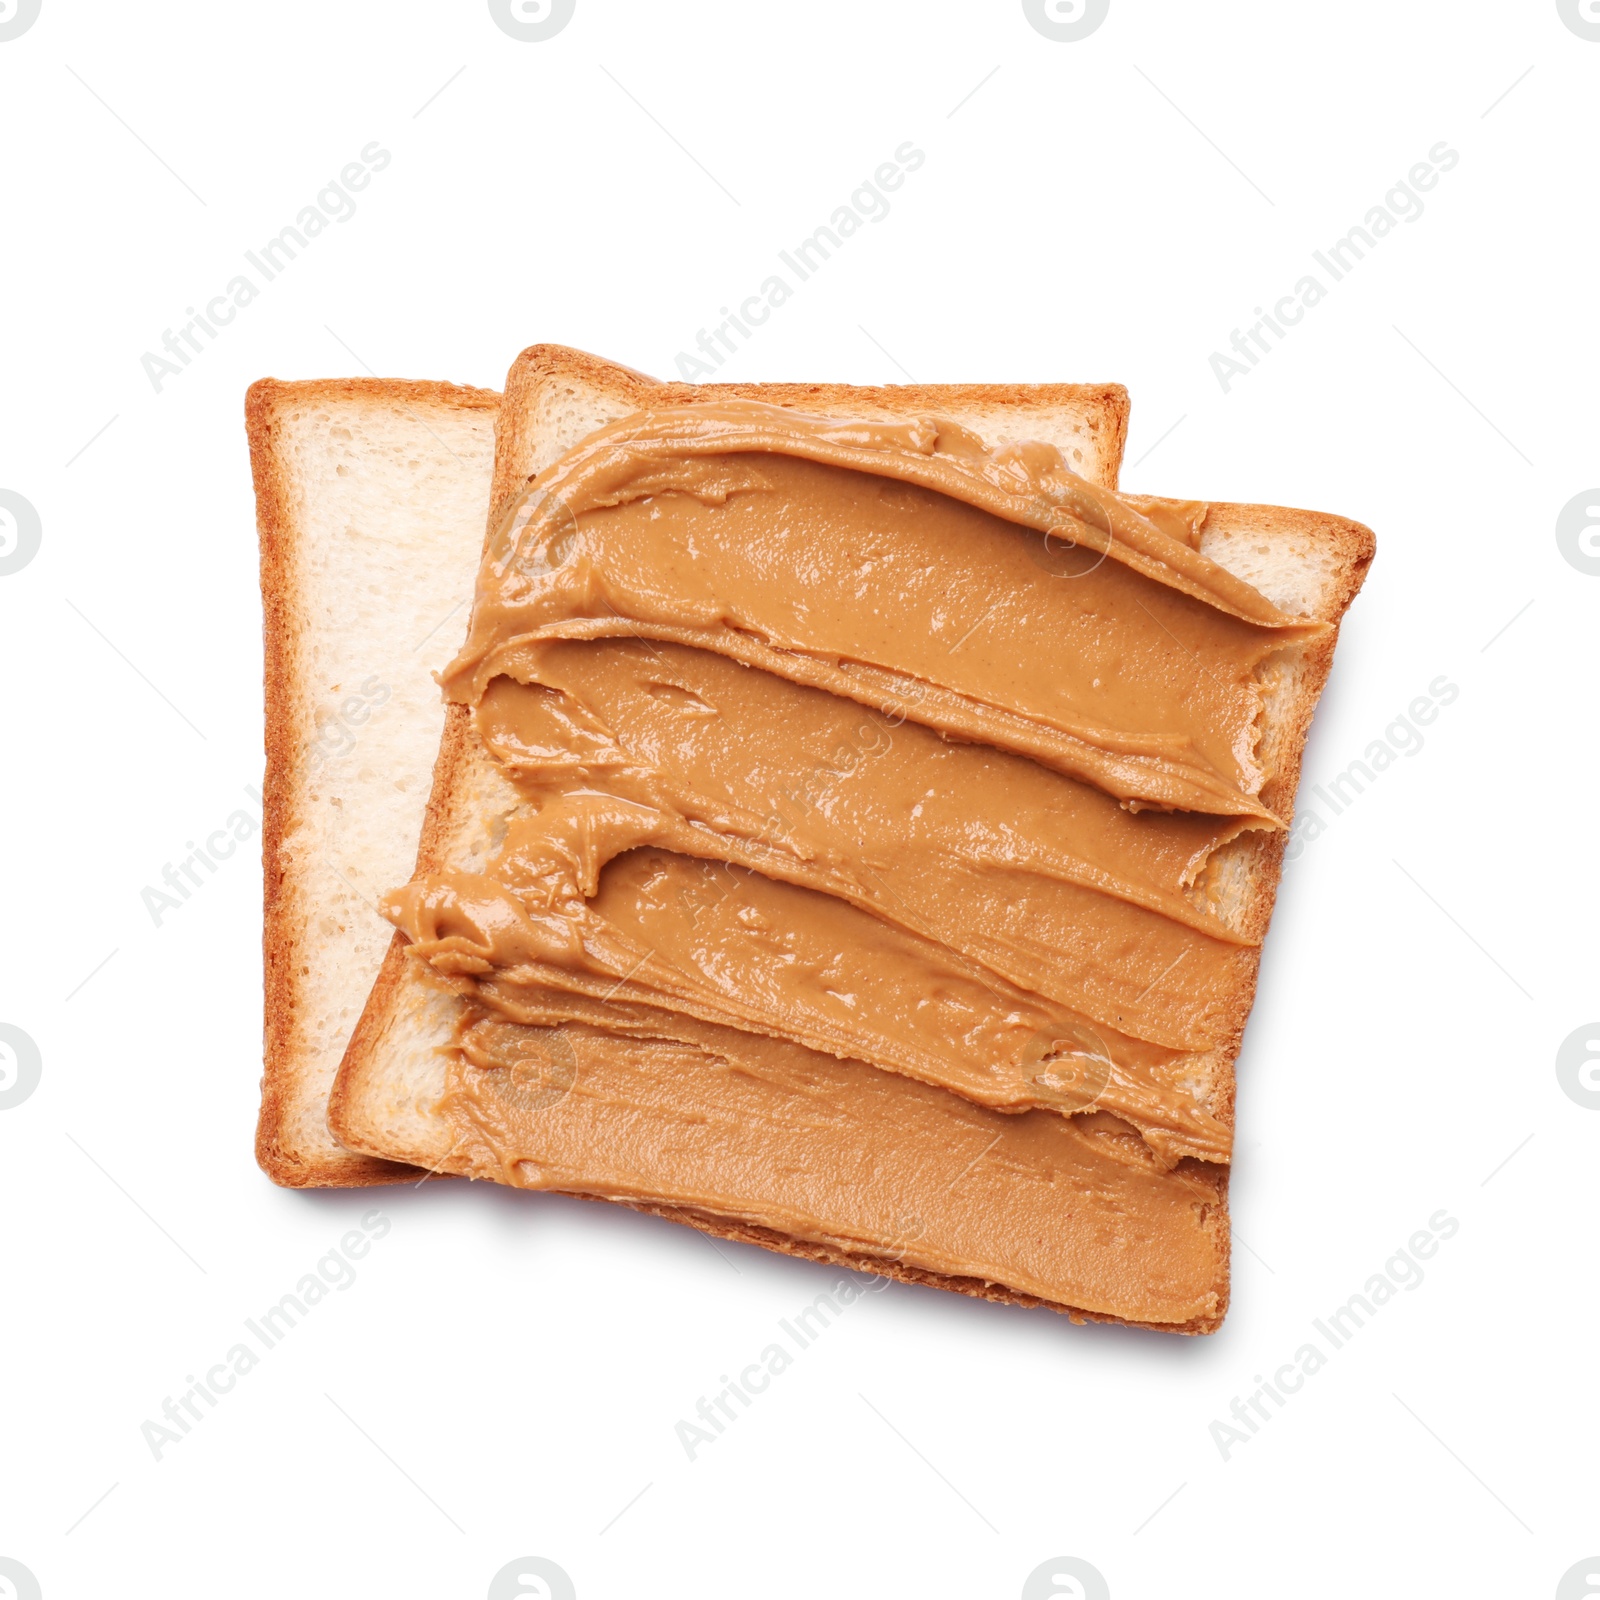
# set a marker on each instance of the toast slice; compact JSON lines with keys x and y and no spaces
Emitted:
{"x":396,"y":1070}
{"x":369,"y":501}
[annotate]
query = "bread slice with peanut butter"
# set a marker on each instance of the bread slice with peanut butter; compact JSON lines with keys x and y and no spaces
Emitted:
{"x":636,"y":1074}
{"x":416,"y":1043}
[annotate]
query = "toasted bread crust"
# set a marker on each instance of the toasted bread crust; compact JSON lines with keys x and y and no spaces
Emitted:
{"x":284,"y":688}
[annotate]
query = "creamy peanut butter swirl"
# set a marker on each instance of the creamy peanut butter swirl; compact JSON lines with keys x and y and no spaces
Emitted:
{"x":955,"y":827}
{"x":957,"y":913}
{"x":992,"y":595}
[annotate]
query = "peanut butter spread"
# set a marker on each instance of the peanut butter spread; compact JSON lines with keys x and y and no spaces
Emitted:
{"x":667,"y":1111}
{"x":867,"y":782}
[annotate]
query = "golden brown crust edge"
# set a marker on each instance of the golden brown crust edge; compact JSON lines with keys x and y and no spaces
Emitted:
{"x":285,"y":774}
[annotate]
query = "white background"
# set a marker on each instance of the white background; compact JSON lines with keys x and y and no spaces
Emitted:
{"x":505,"y":1376}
